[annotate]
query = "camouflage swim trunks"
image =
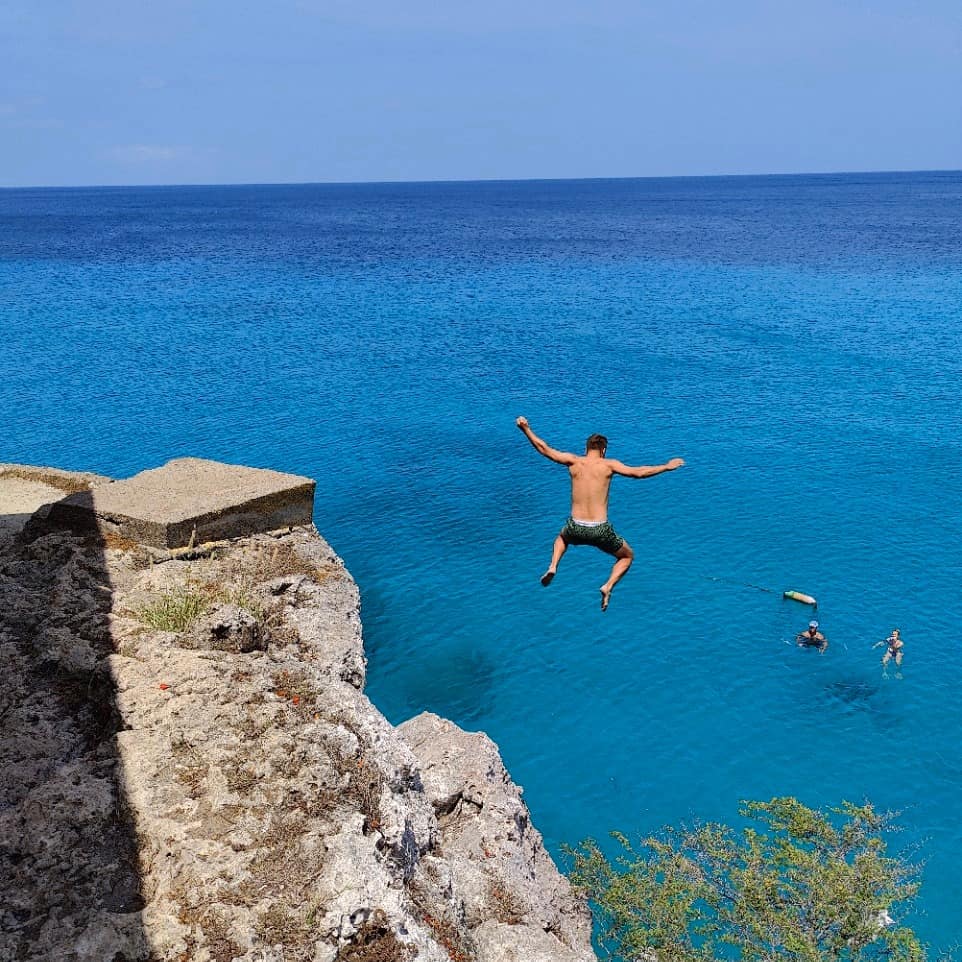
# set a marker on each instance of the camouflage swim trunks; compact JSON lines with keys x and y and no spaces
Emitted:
{"x":599,"y":535}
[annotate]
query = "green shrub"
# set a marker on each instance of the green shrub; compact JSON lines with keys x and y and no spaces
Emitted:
{"x":796,"y":884}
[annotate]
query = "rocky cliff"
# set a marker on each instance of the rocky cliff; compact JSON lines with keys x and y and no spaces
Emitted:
{"x":192,"y":770}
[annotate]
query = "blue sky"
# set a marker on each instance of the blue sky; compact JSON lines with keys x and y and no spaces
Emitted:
{"x":211,"y":91}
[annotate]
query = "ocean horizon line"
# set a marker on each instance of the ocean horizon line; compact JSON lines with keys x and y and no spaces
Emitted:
{"x":481,"y":180}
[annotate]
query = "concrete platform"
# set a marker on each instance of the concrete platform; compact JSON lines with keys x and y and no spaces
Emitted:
{"x":190,"y":500}
{"x":19,"y":498}
{"x":24,"y":488}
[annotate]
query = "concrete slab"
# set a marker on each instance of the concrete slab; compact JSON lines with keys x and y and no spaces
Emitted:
{"x":19,"y":499}
{"x":190,"y":500}
{"x":24,"y":488}
{"x":63,"y":481}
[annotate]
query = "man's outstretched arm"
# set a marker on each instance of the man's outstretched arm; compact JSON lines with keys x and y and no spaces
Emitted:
{"x":542,"y":447}
{"x":644,"y":470}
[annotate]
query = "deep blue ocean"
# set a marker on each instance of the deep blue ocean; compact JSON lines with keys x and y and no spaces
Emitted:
{"x":798,"y":340}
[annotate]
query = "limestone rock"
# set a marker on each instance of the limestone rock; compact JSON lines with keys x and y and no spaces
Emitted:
{"x":229,"y":628}
{"x":197,"y":774}
{"x":505,"y":942}
{"x":497,"y":858}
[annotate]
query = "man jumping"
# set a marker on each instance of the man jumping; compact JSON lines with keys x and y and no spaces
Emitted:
{"x":590,"y":483}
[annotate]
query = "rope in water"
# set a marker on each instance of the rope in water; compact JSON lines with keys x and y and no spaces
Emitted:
{"x":790,"y":595}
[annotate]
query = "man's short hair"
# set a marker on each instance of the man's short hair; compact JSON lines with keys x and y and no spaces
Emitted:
{"x":597,"y":442}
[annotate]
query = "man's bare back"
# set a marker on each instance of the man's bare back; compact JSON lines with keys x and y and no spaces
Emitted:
{"x":590,"y":487}
{"x":591,"y":475}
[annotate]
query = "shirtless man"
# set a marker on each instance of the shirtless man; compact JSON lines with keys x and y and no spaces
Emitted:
{"x":591,"y":476}
{"x":812,"y":638}
{"x":894,"y":648}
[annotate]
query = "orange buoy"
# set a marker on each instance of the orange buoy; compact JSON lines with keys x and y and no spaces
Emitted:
{"x":799,"y":596}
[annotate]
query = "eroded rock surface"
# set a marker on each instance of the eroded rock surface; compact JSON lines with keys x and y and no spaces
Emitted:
{"x":197,"y":774}
{"x":516,"y":903}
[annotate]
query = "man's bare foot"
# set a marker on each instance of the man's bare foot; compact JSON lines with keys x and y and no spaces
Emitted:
{"x":547,"y":577}
{"x":605,"y":597}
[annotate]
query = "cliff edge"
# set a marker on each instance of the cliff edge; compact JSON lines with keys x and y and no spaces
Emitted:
{"x":192,"y":770}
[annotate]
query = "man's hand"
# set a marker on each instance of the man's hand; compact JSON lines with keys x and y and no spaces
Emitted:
{"x":674,"y":463}
{"x":522,"y":423}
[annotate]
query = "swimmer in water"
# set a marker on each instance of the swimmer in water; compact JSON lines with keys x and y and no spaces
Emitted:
{"x":894,"y":646}
{"x":812,"y":638}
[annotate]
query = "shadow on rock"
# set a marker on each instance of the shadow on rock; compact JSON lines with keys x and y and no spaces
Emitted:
{"x":70,"y":886}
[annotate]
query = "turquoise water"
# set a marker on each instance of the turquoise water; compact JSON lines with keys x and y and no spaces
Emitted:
{"x":796,"y":339}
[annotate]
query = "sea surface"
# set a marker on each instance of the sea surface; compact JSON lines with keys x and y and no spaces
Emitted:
{"x":798,"y":340}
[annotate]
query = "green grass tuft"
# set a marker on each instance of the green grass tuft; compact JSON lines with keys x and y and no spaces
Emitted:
{"x":176,"y":610}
